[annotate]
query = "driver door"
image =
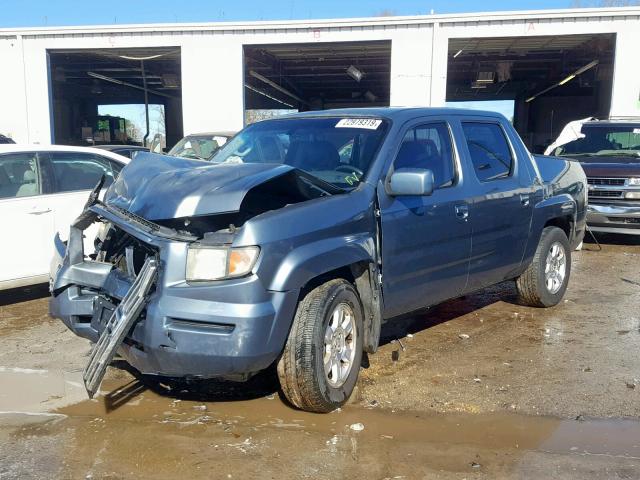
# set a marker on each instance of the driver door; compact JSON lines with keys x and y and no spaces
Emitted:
{"x":426,"y":240}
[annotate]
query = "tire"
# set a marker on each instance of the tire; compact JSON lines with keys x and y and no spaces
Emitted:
{"x":301,"y":368}
{"x":534,"y":287}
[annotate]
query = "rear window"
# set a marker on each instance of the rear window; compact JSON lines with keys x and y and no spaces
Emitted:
{"x":19,"y":176}
{"x":76,"y":171}
{"x":489,"y":150}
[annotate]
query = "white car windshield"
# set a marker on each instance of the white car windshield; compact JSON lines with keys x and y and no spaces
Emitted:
{"x":603,"y":140}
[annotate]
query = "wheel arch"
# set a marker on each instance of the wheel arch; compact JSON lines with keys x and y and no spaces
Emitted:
{"x":363,"y":276}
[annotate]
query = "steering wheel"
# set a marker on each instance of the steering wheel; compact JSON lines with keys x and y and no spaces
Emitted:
{"x":350,"y":169}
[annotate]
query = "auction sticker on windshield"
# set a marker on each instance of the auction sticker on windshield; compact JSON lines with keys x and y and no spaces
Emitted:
{"x":368,"y":123}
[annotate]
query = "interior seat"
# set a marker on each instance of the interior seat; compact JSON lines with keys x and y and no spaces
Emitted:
{"x":7,"y":189}
{"x":412,"y":154}
{"x":29,"y":186}
{"x":313,"y":155}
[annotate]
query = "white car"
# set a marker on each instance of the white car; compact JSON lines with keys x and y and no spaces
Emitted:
{"x":43,"y":188}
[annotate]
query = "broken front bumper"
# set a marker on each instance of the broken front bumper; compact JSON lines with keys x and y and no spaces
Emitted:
{"x":614,"y":218}
{"x":229,"y":328}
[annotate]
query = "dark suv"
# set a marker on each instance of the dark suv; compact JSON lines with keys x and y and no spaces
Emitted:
{"x":609,"y":151}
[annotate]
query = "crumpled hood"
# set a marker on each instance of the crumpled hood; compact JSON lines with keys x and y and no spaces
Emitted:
{"x":159,"y":187}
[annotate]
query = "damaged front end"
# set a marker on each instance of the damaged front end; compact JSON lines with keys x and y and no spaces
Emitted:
{"x":135,"y":294}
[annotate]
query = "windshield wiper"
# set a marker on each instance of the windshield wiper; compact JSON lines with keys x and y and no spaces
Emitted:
{"x":576,"y":155}
{"x":619,"y":153}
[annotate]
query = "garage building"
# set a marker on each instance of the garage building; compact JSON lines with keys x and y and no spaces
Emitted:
{"x":555,"y":66}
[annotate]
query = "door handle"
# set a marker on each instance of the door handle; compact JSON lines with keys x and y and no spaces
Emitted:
{"x":39,"y":212}
{"x":462,"y":212}
{"x":524,"y":199}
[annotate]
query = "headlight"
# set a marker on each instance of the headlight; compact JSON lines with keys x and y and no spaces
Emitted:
{"x":217,"y":263}
{"x":634,"y":181}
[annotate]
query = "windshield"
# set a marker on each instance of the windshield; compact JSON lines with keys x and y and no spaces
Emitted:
{"x":602,"y":141}
{"x":198,"y":146}
{"x":337,"y":150}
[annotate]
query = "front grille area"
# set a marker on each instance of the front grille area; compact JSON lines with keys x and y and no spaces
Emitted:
{"x":606,"y":181}
{"x":628,"y":220}
{"x":605,"y":194}
{"x":124,"y":251}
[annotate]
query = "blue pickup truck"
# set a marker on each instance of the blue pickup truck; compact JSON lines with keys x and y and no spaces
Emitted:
{"x":303,"y":235}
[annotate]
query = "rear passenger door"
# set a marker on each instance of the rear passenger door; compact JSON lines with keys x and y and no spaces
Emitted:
{"x":74,"y":175}
{"x":502,"y":205}
{"x":27,"y":218}
{"x":426,"y":240}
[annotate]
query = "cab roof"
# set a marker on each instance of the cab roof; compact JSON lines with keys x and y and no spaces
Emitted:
{"x":396,"y":113}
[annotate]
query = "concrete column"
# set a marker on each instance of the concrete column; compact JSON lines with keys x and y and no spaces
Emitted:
{"x":439,"y":65}
{"x":13,"y":121}
{"x":212,"y":84}
{"x":37,"y":92}
{"x":411,"y":67}
{"x":625,"y":100}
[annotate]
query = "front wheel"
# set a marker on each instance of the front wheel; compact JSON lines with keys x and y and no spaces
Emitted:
{"x":319,"y":367}
{"x":545,"y":280}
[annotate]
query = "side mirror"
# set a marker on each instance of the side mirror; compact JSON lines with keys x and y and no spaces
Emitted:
{"x":411,"y":181}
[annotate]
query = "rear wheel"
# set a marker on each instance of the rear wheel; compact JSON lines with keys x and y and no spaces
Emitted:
{"x":545,"y":281}
{"x":319,"y":367}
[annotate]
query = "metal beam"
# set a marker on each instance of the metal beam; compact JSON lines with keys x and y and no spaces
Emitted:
{"x":278,"y":87}
{"x":127,"y":84}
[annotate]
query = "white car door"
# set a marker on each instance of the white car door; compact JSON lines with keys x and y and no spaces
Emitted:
{"x":76,"y":174}
{"x":27,"y":221}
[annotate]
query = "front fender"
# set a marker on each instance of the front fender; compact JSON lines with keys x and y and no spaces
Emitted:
{"x":308,"y":261}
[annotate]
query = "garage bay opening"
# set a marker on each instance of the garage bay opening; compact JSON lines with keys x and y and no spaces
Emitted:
{"x":551,"y":80}
{"x":126,"y":96}
{"x":285,"y":78}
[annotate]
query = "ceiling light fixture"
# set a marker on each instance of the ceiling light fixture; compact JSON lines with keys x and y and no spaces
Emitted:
{"x":567,"y":79}
{"x":355,"y":73}
{"x":485,"y":77}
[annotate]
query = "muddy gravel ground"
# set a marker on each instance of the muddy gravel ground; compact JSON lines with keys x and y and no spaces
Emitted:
{"x":479,"y":387}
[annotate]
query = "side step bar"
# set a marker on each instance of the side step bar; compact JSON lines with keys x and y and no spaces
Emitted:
{"x":121,"y":321}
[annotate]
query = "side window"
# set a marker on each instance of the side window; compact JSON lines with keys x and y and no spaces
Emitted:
{"x":429,"y":146}
{"x":79,"y":171}
{"x":19,"y":175}
{"x":489,"y":150}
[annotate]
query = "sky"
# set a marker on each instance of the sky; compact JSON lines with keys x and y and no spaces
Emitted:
{"x":505,"y":107}
{"x":38,"y":13}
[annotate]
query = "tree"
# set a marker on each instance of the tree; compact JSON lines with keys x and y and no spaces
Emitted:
{"x":157,"y":112}
{"x":133,"y":131}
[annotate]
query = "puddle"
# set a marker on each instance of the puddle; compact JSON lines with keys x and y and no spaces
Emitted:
{"x":133,"y":431}
{"x":35,"y":391}
{"x":619,"y":437}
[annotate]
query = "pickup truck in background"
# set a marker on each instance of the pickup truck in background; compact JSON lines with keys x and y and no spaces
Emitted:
{"x":609,"y":152}
{"x":304,"y":234}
